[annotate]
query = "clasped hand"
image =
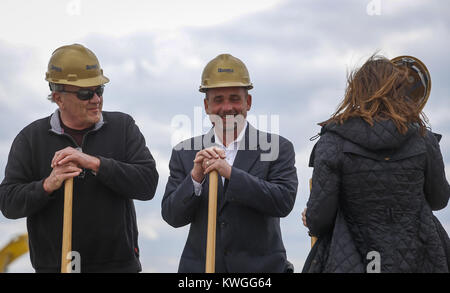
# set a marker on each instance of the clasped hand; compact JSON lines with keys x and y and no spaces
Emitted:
{"x":210,"y":159}
{"x":68,"y":163}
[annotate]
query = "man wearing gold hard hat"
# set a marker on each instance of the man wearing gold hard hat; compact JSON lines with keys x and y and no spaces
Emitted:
{"x":257,"y":184}
{"x":104,"y":153}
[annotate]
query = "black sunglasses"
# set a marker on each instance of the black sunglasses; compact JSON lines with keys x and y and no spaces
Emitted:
{"x":87,"y":94}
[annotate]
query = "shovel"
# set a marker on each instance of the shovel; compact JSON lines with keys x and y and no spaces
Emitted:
{"x":212,"y":219}
{"x":67,"y":227}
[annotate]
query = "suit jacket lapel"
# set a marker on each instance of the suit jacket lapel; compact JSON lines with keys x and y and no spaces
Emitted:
{"x":249,"y":150}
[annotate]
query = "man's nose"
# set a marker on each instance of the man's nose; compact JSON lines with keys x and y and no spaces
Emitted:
{"x":227,"y":107}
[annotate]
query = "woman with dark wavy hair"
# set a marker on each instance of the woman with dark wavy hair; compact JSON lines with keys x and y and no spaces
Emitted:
{"x":378,"y":175}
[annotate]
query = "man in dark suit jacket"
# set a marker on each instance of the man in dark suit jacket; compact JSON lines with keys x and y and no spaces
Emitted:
{"x":257,"y":182}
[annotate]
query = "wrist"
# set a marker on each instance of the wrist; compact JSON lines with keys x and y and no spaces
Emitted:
{"x":196,"y":177}
{"x":95,"y":164}
{"x":227,"y":172}
{"x":46,"y":187}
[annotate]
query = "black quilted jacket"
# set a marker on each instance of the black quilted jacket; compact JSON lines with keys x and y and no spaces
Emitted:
{"x":374,"y":190}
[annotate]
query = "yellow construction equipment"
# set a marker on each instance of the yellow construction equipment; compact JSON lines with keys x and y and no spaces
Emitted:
{"x":14,"y":249}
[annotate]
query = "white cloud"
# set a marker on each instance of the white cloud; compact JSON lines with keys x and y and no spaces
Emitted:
{"x":54,"y":21}
{"x":438,"y":116}
{"x":395,"y":40}
{"x":398,"y":6}
{"x":150,"y":226}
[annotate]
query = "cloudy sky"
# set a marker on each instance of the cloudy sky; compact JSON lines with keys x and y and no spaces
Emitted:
{"x":298,"y":54}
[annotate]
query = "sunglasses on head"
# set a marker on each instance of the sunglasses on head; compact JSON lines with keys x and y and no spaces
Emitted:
{"x":87,"y":94}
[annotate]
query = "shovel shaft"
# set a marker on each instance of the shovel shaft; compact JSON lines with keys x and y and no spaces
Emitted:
{"x":67,"y":226}
{"x":212,"y":219}
{"x":313,"y":240}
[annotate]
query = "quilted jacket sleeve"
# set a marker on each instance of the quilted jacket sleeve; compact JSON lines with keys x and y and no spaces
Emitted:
{"x":436,"y":189}
{"x":323,"y":201}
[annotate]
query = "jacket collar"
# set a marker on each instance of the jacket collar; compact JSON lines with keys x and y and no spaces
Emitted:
{"x":249,"y":149}
{"x":55,"y":123}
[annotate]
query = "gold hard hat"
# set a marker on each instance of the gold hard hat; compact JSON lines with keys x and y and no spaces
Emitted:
{"x":419,"y":79}
{"x":75,"y":65}
{"x":225,"y":71}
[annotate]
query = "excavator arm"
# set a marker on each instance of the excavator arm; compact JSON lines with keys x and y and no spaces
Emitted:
{"x":14,"y":249}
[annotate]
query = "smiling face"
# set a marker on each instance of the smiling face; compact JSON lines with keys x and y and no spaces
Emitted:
{"x":228,"y":105}
{"x":75,"y":113}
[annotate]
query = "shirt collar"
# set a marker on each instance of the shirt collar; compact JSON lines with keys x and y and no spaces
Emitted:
{"x":56,"y":125}
{"x":233,"y":143}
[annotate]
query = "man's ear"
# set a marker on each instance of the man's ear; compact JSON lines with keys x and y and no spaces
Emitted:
{"x":249,"y":102}
{"x":205,"y":103}
{"x":57,"y":98}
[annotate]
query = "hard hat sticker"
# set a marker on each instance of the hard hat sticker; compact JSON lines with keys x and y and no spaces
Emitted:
{"x":56,"y":68}
{"x":95,"y":66}
{"x":225,"y":70}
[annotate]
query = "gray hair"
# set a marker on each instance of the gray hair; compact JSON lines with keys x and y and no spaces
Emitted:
{"x":54,"y":87}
